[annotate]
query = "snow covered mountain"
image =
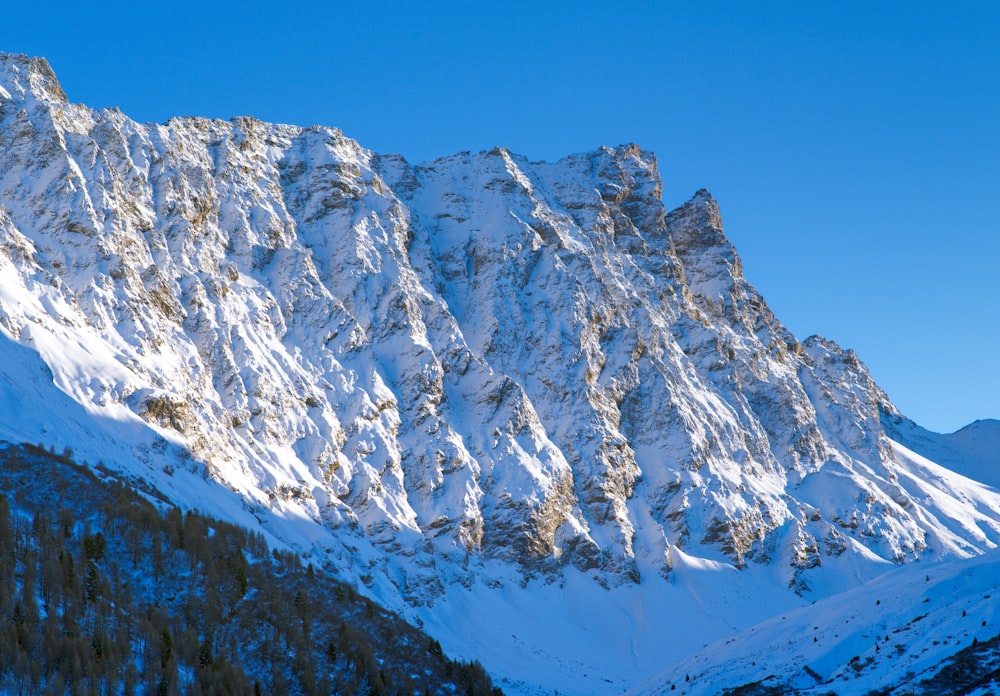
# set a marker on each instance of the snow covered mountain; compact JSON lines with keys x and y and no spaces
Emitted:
{"x":521,"y":403}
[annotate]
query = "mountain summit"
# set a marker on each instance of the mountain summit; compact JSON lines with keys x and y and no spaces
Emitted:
{"x":486,"y":390}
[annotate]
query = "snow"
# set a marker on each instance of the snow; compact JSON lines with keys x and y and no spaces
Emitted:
{"x":595,"y":640}
{"x":973,"y":451}
{"x":892,"y":631}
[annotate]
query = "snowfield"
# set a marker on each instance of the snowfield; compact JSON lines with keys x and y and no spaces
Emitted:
{"x":892,"y":633}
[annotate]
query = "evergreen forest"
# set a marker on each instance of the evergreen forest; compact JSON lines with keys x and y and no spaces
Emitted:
{"x":106,"y":590}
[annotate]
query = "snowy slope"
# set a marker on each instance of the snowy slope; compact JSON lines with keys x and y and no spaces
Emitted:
{"x":520,"y":402}
{"x":973,"y":450}
{"x":34,"y":410}
{"x":603,"y":641}
{"x":890,"y":636}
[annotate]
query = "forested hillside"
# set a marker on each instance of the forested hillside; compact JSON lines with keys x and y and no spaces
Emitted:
{"x":102,"y":592}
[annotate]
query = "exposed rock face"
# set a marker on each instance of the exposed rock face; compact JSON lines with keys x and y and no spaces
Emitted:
{"x":475,"y":357}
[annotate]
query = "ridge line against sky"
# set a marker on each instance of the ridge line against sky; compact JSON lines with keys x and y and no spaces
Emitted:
{"x":853,"y":148}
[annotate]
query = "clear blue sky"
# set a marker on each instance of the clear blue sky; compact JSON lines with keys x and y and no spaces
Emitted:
{"x":854,"y":147}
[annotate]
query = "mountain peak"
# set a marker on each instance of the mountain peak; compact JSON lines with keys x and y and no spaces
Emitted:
{"x":698,"y":217}
{"x":21,"y":74}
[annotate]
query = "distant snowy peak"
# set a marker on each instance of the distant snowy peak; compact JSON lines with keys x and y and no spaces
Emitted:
{"x":973,"y":451}
{"x":979,"y":442}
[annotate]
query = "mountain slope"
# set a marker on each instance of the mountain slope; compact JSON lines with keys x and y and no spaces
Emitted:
{"x":915,"y":630}
{"x":465,"y":385}
{"x":973,"y":451}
